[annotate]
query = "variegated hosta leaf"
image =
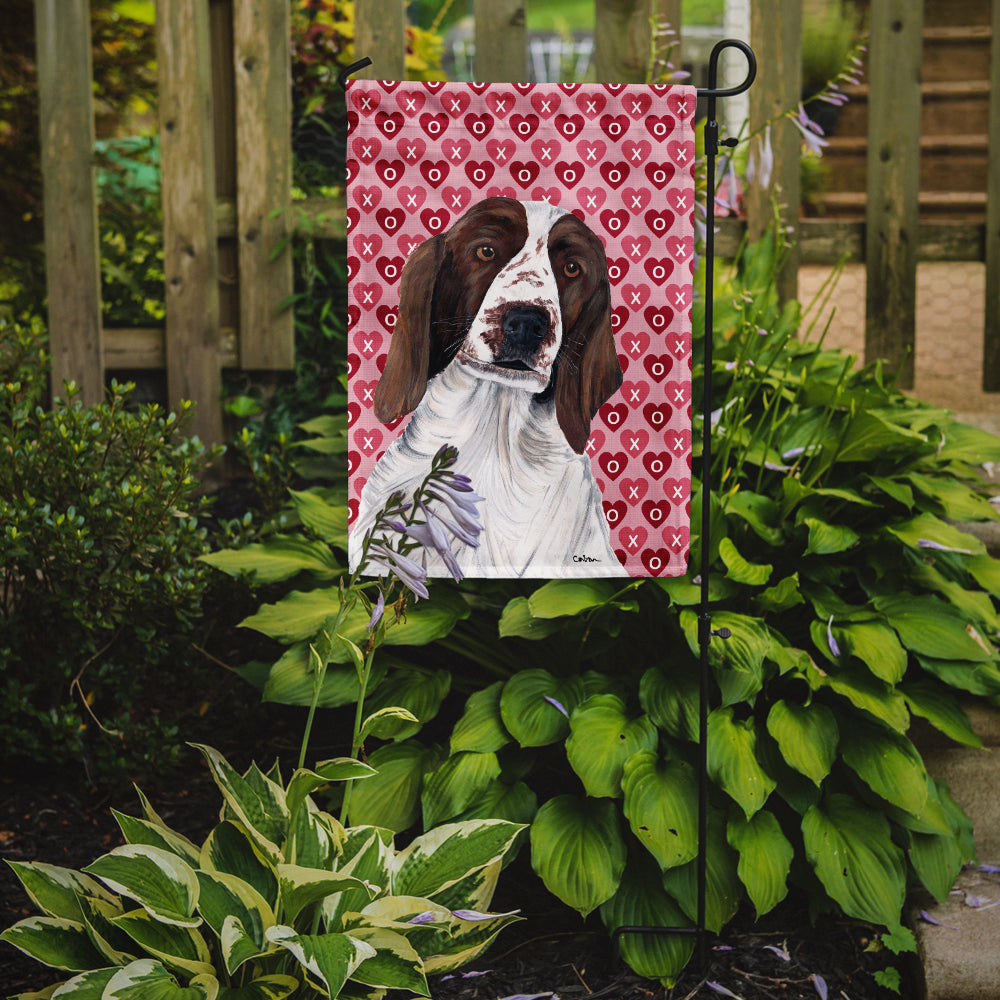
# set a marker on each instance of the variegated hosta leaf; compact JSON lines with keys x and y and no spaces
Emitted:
{"x":765,"y":858}
{"x":807,"y":736}
{"x":141,"y":831}
{"x":850,"y":847}
{"x":578,"y":851}
{"x":98,"y":915}
{"x":602,"y":737}
{"x":642,"y":902}
{"x":158,"y":880}
{"x":56,"y":891}
{"x":476,"y":890}
{"x":86,"y":986}
{"x":149,"y":980}
{"x":367,"y":853}
{"x":661,"y":800}
{"x":54,"y":941}
{"x":315,"y":838}
{"x":256,"y":801}
{"x":481,"y":727}
{"x":225,"y":897}
{"x":329,"y":959}
{"x":723,"y":889}
{"x":456,"y":784}
{"x":466,"y":941}
{"x":274,"y":987}
{"x":441,"y":857}
{"x":732,"y":760}
{"x":304,"y":782}
{"x":395,"y":964}
{"x":177,"y":947}
{"x":300,"y":887}
{"x":535,"y":706}
{"x":230,"y":849}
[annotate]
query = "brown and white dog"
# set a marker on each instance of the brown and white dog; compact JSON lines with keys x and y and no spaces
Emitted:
{"x":503,"y":347}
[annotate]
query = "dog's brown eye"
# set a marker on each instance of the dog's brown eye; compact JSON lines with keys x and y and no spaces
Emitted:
{"x":571,"y":269}
{"x":485,"y":253}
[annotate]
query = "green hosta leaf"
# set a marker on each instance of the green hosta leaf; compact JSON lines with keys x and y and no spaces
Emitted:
{"x":230,"y":849}
{"x":330,"y":959}
{"x":893,"y":488}
{"x":260,"y":809}
{"x":279,"y":558}
{"x":927,"y":528}
{"x":941,"y":709}
{"x":870,"y":436}
{"x":738,"y":661}
{"x":516,"y":803}
{"x":180,"y":948}
{"x":56,"y":891}
{"x":386,"y":723}
{"x":765,"y":858}
{"x":976,"y":678}
{"x":578,"y":851}
{"x":751,"y":574}
{"x":441,"y":857}
{"x":418,"y":691}
{"x":602,"y":738}
{"x":661,"y":798}
{"x":225,"y":897}
{"x":723,"y":889}
{"x":876,"y":646}
{"x":937,"y":859}
{"x":807,"y":736}
{"x":671,"y":700}
{"x":758,"y":511}
{"x":327,"y":520}
{"x":888,"y":763}
{"x":275,"y":987}
{"x":517,"y":620}
{"x":530,"y":706}
{"x":783,"y":595}
{"x":54,"y":941}
{"x":975,"y":605}
{"x":957,"y":501}
{"x":866,"y":692}
{"x":481,"y":728}
{"x":558,"y":598}
{"x":147,"y":979}
{"x":456,"y":784}
{"x":159,"y":881}
{"x":965,"y":443}
{"x":732,"y":760}
{"x":141,"y":831}
{"x":292,"y":680}
{"x":931,"y":628}
{"x":828,"y":539}
{"x":395,"y":964}
{"x":986,"y":572}
{"x":641,"y":901}
{"x":301,"y":887}
{"x":391,"y":798}
{"x":850,"y":848}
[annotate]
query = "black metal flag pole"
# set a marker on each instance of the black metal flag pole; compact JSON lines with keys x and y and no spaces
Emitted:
{"x":705,"y":632}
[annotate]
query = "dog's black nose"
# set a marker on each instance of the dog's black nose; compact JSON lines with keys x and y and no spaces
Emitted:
{"x":523,"y":328}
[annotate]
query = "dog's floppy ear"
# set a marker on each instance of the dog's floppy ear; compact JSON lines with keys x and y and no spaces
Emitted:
{"x":590,"y":373}
{"x":404,"y":378}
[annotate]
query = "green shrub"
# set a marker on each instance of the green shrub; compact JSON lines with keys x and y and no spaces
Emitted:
{"x":99,"y":542}
{"x":279,"y":900}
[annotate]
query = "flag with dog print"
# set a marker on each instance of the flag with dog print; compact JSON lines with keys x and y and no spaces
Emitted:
{"x":520,"y":262}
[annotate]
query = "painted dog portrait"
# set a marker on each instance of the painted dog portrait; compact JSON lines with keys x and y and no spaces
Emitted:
{"x":503,"y":347}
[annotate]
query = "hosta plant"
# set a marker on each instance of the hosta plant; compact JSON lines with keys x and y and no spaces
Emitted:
{"x":279,"y":900}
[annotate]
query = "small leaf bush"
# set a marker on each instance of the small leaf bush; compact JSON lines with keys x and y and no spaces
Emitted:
{"x":101,"y":584}
{"x":855,"y":603}
{"x":279,"y":900}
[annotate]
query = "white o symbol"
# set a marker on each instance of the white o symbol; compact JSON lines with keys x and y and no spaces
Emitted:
{"x":660,"y":176}
{"x":612,"y":516}
{"x":390,"y":175}
{"x":659,"y":129}
{"x":433,"y":127}
{"x":434,"y":222}
{"x":390,"y":320}
{"x":614,"y":177}
{"x":614,"y":418}
{"x":434,"y":175}
{"x":569,"y":177}
{"x":656,"y":514}
{"x":479,"y":126}
{"x":659,"y":224}
{"x":654,"y":562}
{"x":659,"y":271}
{"x":479,"y":175}
{"x":524,"y":128}
{"x":613,"y":467}
{"x":390,"y":271}
{"x":614,"y":272}
{"x":656,"y":466}
{"x":658,"y":369}
{"x":657,"y":417}
{"x":524,"y":175}
{"x":658,"y":320}
{"x":614,"y":128}
{"x":391,"y":222}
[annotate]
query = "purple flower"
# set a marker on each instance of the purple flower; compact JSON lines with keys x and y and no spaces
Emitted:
{"x":558,"y":705}
{"x":927,"y":543}
{"x":811,"y":132}
{"x":834,"y":648}
{"x":475,"y":915}
{"x":412,"y":574}
{"x":761,"y":163}
{"x":820,"y":983}
{"x":377,"y":612}
{"x":427,"y":917}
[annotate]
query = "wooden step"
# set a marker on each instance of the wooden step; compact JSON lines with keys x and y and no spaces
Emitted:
{"x":957,"y":206}
{"x":947,"y":163}
{"x":956,"y":53}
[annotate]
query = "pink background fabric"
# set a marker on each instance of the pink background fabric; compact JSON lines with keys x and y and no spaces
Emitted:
{"x":621,"y":157}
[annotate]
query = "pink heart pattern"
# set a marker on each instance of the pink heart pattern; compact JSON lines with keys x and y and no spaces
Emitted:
{"x":619,"y":156}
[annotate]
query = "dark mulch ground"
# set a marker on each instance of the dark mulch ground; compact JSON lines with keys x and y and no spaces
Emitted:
{"x":550,"y":952}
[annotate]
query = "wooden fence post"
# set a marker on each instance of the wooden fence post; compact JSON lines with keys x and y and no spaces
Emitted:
{"x":190,"y":251}
{"x":991,"y":331}
{"x":72,"y":255}
{"x":501,"y":41}
{"x":380,"y":34}
{"x":622,"y":40}
{"x":262,"y":61}
{"x":776,"y":35}
{"x":892,"y":214}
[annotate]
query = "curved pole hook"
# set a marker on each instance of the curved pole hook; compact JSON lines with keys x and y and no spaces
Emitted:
{"x":713,"y":69}
{"x":355,"y":67}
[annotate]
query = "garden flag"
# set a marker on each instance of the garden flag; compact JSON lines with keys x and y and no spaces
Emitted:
{"x":520,"y":263}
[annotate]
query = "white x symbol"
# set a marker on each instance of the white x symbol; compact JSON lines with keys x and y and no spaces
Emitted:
{"x":456,"y":200}
{"x":679,"y":298}
{"x":366,"y":152}
{"x":682,"y":107}
{"x":501,"y":153}
{"x":633,"y":492}
{"x":367,"y":296}
{"x":633,"y":541}
{"x":591,"y":154}
{"x":546,"y":153}
{"x":590,"y":444}
{"x":635,"y":395}
{"x":411,"y":152}
{"x":637,"y":201}
{"x":456,"y":105}
{"x":368,"y":394}
{"x":545,"y":106}
{"x":679,"y":395}
{"x":677,"y":539}
{"x":368,"y":444}
{"x":637,"y":153}
{"x":678,"y":444}
{"x":368,"y":251}
{"x":591,"y":107}
{"x":636,"y":298}
{"x":636,"y":250}
{"x":681,"y":251}
{"x":456,"y":153}
{"x":411,"y":199}
{"x":681,"y":202}
{"x":501,"y":108}
{"x":366,"y":198}
{"x":682,"y":155}
{"x":366,"y":103}
{"x":636,"y":108}
{"x":678,"y":493}
{"x":635,"y":348}
{"x":591,"y":201}
{"x":368,"y":347}
{"x":411,"y":104}
{"x":633,"y":444}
